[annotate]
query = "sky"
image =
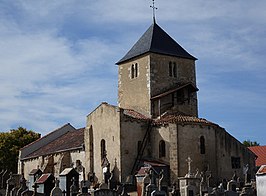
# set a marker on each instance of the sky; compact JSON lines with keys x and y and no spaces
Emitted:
{"x":57,"y":58}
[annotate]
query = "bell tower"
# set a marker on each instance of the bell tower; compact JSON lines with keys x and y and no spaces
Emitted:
{"x":157,"y":76}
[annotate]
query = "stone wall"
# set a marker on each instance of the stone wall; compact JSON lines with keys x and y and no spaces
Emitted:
{"x":105,"y":124}
{"x":160,"y":81}
{"x":132,"y":133}
{"x":183,"y":141}
{"x":153,"y":78}
{"x":227,"y":147}
{"x":189,"y":146}
{"x":134,"y":93}
{"x":55,"y":163}
{"x":29,"y":165}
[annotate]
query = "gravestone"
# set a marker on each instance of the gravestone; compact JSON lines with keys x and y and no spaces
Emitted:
{"x":231,"y":193}
{"x":111,"y":181}
{"x":142,"y":181}
{"x":23,"y":186}
{"x":247,"y":191}
{"x":163,"y":185}
{"x":81,"y":170}
{"x":14,"y":190}
{"x":74,"y":188}
{"x":1,"y":176}
{"x":27,"y":193}
{"x":152,"y":185}
{"x":10,"y":184}
{"x":158,"y":193}
{"x":35,"y":187}
{"x":203,"y":184}
{"x":45,"y":184}
{"x":56,"y":191}
{"x":84,"y":190}
{"x":124,"y":192}
{"x":65,"y":178}
{"x":189,"y":185}
{"x":174,"y":191}
{"x":104,"y":192}
{"x":5,"y":177}
{"x":189,"y":174}
{"x":231,"y":185}
{"x":33,"y":176}
{"x":103,"y":185}
{"x":85,"y":186}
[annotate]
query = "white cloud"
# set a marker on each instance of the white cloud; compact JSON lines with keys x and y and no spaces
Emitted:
{"x":45,"y":79}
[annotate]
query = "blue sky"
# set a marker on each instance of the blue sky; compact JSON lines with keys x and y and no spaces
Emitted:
{"x":58,"y":58}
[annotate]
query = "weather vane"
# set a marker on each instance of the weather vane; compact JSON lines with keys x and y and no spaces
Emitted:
{"x":153,"y":10}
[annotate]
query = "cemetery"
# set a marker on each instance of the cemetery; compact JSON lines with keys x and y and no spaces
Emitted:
{"x":148,"y":182}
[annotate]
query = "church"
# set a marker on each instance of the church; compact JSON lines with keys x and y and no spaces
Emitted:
{"x":156,"y":123}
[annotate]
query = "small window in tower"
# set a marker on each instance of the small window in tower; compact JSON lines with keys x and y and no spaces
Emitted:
{"x":235,"y":161}
{"x":136,"y":70}
{"x":202,"y":145}
{"x":139,"y":146}
{"x":174,"y":70}
{"x":132,"y":71}
{"x":170,"y":69}
{"x":161,"y":149}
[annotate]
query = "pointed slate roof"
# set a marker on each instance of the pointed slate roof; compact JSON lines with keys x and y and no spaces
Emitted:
{"x":156,"y":40}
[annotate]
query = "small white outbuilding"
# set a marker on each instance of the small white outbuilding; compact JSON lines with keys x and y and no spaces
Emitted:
{"x":261,"y":181}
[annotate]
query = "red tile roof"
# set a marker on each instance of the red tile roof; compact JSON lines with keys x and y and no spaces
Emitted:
{"x":70,"y":140}
{"x":262,"y":170}
{"x":43,"y":178}
{"x":134,"y":114}
{"x":168,"y":118}
{"x":260,"y":151}
{"x":179,"y":118}
{"x":68,"y":124}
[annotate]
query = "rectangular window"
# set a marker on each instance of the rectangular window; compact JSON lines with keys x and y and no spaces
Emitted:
{"x":134,"y":70}
{"x":174,"y":70}
{"x":235,"y":161}
{"x":170,"y":69}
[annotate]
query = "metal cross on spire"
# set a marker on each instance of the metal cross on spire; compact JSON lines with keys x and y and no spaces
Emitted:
{"x":153,"y":10}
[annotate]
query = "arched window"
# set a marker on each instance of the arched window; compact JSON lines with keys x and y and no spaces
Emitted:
{"x":103,"y":149}
{"x":202,"y":145}
{"x":161,"y":149}
{"x":91,"y":149}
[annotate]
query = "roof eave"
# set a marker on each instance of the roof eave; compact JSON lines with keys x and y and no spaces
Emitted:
{"x":121,"y":61}
{"x":47,"y":154}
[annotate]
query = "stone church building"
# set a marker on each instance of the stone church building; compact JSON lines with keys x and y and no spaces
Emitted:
{"x":156,"y":122}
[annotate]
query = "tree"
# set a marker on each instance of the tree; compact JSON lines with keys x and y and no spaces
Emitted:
{"x":10,"y":143}
{"x":249,"y":143}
